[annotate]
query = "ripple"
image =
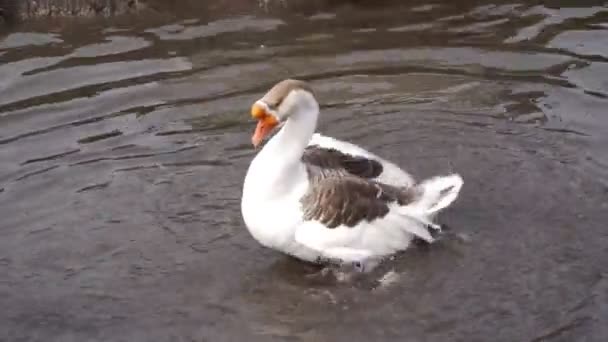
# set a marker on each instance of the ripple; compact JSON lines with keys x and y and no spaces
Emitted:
{"x":93,"y":187}
{"x":413,"y":27}
{"x":589,"y":43}
{"x":24,"y":39}
{"x":51,"y":157}
{"x":497,"y":10}
{"x":36,"y":172}
{"x":322,"y":16}
{"x":81,"y":76}
{"x":552,"y":17}
{"x":133,"y":156}
{"x":425,"y":8}
{"x":503,"y":60}
{"x":116,"y":45}
{"x":584,"y":78}
{"x":242,"y":24}
{"x":11,"y":72}
{"x":101,"y":136}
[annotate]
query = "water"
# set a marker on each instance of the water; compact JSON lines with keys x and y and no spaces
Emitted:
{"x":124,"y":143}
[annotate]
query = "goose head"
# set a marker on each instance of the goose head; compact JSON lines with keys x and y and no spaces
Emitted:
{"x":286,"y":99}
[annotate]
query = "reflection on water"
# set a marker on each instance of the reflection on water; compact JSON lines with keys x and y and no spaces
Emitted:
{"x":124,"y":143}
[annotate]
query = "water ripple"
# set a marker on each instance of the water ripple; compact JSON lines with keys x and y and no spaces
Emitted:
{"x":125,"y":141}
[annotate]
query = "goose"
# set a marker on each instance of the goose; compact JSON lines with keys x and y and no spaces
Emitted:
{"x":321,"y":199}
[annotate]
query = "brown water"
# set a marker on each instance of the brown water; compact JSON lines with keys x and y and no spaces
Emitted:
{"x":124,"y":143}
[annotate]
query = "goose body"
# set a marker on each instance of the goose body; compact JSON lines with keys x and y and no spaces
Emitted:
{"x":389,"y":173}
{"x":319,"y":198}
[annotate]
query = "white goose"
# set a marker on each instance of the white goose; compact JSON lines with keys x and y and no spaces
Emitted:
{"x":317,"y":198}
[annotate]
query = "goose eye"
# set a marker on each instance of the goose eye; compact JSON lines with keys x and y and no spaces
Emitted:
{"x":273,"y":106}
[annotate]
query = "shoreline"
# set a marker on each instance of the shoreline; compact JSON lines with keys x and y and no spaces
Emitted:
{"x":17,"y":11}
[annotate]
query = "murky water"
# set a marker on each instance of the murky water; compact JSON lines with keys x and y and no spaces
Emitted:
{"x":124,"y":143}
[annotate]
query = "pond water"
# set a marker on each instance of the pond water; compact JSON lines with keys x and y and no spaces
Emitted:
{"x":124,"y":143}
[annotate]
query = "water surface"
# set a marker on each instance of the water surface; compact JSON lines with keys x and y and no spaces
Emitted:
{"x":124,"y":143}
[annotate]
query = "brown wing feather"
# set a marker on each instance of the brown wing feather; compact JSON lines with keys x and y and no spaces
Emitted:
{"x":346,"y":200}
{"x":332,"y":159}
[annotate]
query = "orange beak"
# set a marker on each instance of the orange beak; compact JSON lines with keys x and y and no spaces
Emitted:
{"x":266,"y":123}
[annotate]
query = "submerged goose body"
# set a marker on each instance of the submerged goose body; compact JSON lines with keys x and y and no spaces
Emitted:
{"x":318,"y":198}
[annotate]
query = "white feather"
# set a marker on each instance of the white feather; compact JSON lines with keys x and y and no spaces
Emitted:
{"x":391,"y":173}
